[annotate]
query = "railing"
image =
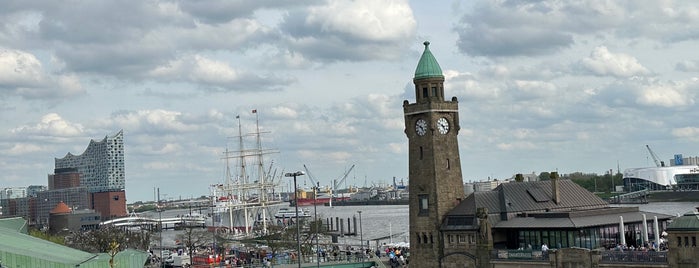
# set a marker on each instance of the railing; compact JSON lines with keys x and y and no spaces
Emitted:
{"x":634,"y":256}
{"x":520,"y":255}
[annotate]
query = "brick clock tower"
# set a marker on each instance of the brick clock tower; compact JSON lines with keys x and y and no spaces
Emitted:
{"x":436,"y":185}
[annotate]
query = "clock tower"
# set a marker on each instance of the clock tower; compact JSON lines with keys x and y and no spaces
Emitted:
{"x":436,"y":185}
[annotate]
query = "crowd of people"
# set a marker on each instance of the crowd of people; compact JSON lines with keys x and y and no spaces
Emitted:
{"x":397,"y":256}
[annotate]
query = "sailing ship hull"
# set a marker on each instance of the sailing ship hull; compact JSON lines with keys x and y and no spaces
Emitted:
{"x":317,"y":201}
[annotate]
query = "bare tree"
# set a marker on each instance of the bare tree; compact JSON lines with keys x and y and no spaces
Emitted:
{"x":100,"y":240}
{"x":194,"y":237}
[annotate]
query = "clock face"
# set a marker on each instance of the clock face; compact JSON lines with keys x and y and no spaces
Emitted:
{"x":421,"y":127}
{"x":443,"y":125}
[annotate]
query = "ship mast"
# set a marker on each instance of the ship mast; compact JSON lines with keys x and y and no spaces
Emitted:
{"x":261,"y":173}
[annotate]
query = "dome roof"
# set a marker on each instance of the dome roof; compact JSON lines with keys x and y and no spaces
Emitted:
{"x":687,"y":222}
{"x":61,"y":208}
{"x":428,"y":67}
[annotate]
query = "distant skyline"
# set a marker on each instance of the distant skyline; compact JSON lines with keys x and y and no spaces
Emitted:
{"x":542,"y":85}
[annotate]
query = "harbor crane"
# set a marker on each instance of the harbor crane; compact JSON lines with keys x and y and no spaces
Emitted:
{"x":337,"y":183}
{"x":656,"y":159}
{"x":310,"y":177}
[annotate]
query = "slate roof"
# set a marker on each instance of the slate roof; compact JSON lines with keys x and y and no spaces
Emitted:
{"x":580,"y":219}
{"x":515,"y":197}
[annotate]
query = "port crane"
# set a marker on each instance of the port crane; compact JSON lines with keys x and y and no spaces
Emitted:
{"x":311,"y":177}
{"x":336,"y":183}
{"x":656,"y":159}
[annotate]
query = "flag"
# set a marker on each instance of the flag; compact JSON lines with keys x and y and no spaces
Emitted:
{"x":254,"y":111}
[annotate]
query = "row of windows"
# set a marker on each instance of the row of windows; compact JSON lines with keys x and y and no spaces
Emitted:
{"x":435,"y":92}
{"x":461,"y":239}
{"x":686,"y":241}
{"x":422,"y":238}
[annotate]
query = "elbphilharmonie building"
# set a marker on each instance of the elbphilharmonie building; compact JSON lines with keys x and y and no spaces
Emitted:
{"x":101,"y":165}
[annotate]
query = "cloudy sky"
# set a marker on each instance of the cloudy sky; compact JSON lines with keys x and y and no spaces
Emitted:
{"x":542,"y":85}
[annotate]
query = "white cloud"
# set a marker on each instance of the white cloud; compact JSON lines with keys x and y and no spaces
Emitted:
{"x":603,"y":62}
{"x":22,"y":74}
{"x":359,"y":30}
{"x":216,"y":74}
{"x":23,"y":148}
{"x":151,"y":121}
{"x":385,"y":20}
{"x":51,"y":125}
{"x":668,"y":94}
{"x":690,"y":133}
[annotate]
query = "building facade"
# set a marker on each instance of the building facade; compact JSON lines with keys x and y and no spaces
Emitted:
{"x":436,"y":185}
{"x":101,"y":166}
{"x":101,"y":170}
{"x":64,"y":178}
{"x":13,"y":192}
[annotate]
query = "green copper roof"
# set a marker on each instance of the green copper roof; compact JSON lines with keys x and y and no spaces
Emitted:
{"x":688,"y":222}
{"x":428,"y":66}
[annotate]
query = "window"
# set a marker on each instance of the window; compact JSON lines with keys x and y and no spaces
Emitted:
{"x":424,"y":92}
{"x":434,"y":92}
{"x":423,"y":205}
{"x":420,"y":152}
{"x":694,"y":241}
{"x":418,"y":238}
{"x":450,"y":238}
{"x":462,"y":239}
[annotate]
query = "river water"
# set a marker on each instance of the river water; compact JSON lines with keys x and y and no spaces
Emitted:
{"x":392,"y":220}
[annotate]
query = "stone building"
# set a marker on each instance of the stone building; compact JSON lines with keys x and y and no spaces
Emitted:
{"x":682,"y":236}
{"x":448,"y":229}
{"x":436,"y":186}
{"x":64,"y":219}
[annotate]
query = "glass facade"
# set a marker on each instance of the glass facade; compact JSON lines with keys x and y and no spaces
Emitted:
{"x":606,"y":236}
{"x":101,"y":165}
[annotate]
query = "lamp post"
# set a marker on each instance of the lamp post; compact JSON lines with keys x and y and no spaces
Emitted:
{"x":361,"y":233}
{"x":315,"y":221}
{"x":160,"y":233}
{"x":296,"y":204}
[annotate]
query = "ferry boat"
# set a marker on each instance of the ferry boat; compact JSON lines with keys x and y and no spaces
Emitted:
{"x":286,"y":213}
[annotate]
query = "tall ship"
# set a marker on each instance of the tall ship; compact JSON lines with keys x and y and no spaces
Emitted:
{"x":246,"y":201}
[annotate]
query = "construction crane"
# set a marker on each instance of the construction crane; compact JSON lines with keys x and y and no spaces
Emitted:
{"x":655,"y":157}
{"x":313,"y":180}
{"x":337,"y":183}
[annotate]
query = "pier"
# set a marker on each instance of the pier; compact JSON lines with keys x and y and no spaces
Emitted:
{"x":146,"y":223}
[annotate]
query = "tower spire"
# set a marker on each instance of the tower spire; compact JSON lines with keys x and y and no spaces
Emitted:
{"x":428,"y":67}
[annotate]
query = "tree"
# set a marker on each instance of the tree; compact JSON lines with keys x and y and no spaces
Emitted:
{"x":279,"y":238}
{"x":100,"y":240}
{"x":194,"y":237}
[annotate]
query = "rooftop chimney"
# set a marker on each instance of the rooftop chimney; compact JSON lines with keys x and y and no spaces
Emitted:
{"x":555,"y":189}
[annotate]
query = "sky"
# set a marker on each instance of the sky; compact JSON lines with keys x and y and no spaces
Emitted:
{"x":567,"y":86}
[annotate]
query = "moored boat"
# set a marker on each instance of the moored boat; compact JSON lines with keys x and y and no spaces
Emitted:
{"x":285,"y":213}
